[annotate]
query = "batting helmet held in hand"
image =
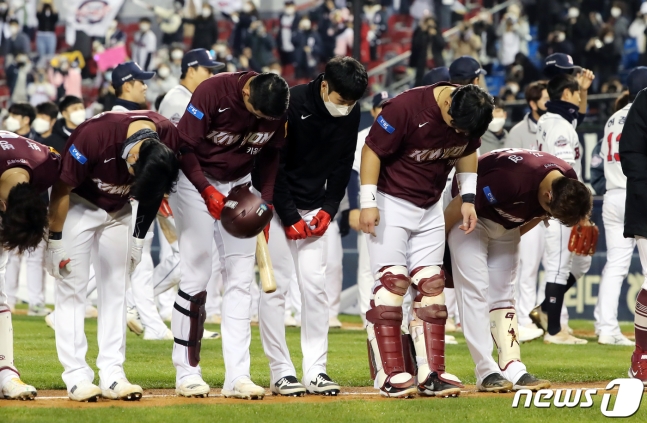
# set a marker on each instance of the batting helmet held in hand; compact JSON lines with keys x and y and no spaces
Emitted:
{"x":245,"y":214}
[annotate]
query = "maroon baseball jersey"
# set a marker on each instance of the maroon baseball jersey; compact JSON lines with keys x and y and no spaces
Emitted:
{"x":93,"y":163}
{"x":417,"y":148}
{"x":42,"y":162}
{"x":224,"y":135}
{"x":508,"y":184}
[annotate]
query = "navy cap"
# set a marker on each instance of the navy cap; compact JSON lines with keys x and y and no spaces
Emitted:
{"x":436,"y":75}
{"x":637,"y":80}
{"x":380,"y":98}
{"x":200,"y":57}
{"x":129,"y":71}
{"x":559,"y":63}
{"x":465,"y":67}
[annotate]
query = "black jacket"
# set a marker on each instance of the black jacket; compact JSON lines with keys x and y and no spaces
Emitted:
{"x":58,"y":137}
{"x":317,"y":159}
{"x":633,"y":158}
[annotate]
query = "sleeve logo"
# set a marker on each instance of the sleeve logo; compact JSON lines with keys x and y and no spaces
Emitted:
{"x":194,"y":111}
{"x":489,"y":195}
{"x":385,"y":125}
{"x":77,"y":155}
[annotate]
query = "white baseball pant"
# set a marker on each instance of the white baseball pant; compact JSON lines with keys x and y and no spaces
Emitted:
{"x":450,"y":294}
{"x":531,"y":250}
{"x":35,"y":275}
{"x":334,"y":268}
{"x":642,"y":251}
{"x":7,"y":368}
{"x":88,"y":231}
{"x":197,"y":230}
{"x":365,"y":278}
{"x":309,"y":258}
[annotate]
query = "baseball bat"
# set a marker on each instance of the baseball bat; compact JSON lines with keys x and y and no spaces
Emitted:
{"x":265,"y":269}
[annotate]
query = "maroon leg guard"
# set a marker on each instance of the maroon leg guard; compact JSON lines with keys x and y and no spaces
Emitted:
{"x":409,"y":356}
{"x":434,"y":318}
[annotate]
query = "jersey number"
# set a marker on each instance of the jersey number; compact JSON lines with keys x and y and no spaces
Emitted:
{"x":611,"y":156}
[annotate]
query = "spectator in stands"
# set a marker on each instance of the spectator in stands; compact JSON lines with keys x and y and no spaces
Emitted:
{"x":603,"y":55}
{"x":580,"y":30}
{"x":524,"y":133}
{"x":637,"y":30}
{"x":176,"y":60}
{"x":243,"y":20}
{"x":73,"y":112}
{"x":128,"y":81}
{"x":288,"y":25}
{"x":524,"y":71}
{"x":344,"y":34}
{"x":495,"y":136}
{"x":427,"y":45}
{"x":558,"y":42}
{"x":377,"y":25}
{"x":205,"y":28}
{"x":41,"y":90}
{"x":107,"y":96}
{"x":114,"y":36}
{"x":308,"y":49}
{"x":145,"y":44}
{"x":467,"y":42}
{"x":43,"y":125}
{"x":514,"y":33}
{"x":18,"y":42}
{"x":484,"y":29}
{"x":161,"y":84}
{"x":21,"y":115}
{"x":620,"y":24}
{"x":170,"y":22}
{"x":46,"y":36}
{"x":321,"y":17}
{"x":65,"y":77}
{"x":19,"y":77}
{"x":465,"y":70}
{"x":261,"y":45}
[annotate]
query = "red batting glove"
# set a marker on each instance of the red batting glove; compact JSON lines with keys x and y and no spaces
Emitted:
{"x":320,"y":223}
{"x":165,"y":209}
{"x":297,"y":231}
{"x":215,"y":201}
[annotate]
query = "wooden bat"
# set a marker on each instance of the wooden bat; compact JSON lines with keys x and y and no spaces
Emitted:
{"x":265,"y":269}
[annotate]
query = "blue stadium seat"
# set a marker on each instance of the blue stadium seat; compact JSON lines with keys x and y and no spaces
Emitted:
{"x":630,"y":55}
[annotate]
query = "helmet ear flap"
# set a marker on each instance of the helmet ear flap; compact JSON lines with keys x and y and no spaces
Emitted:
{"x":245,"y":214}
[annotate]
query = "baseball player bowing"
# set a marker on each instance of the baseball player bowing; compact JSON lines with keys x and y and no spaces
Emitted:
{"x":314,"y":170}
{"x":233,"y":122}
{"x":27,"y":169}
{"x":114,"y":156}
{"x":515,"y":187}
{"x":411,"y":148}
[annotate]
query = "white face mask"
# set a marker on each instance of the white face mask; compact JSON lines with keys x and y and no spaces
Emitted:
{"x":40,"y":125}
{"x":247,"y":8}
{"x":616,"y":12}
{"x":336,"y":110}
{"x":206,"y":12}
{"x":608,"y":39}
{"x":144,"y":27}
{"x":14,"y":29}
{"x":163,"y":72}
{"x":177,"y":55}
{"x":496,"y":125}
{"x":305,"y":25}
{"x":560,"y":37}
{"x":77,"y":117}
{"x":573,"y":12}
{"x":12,"y":124}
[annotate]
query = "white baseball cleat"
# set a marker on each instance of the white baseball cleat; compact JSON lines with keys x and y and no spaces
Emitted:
{"x":289,"y":386}
{"x":564,"y":338}
{"x":323,"y":385}
{"x":450,"y":339}
{"x":38,"y":310}
{"x":168,"y":335}
{"x":334,"y":323}
{"x":84,"y":391}
{"x":133,"y":321}
{"x":530,"y":332}
{"x":49,"y":320}
{"x":121,"y":389}
{"x":91,"y":312}
{"x":254,"y":318}
{"x":16,"y":389}
{"x":193,"y":387}
{"x":620,"y":340}
{"x":450,"y":325}
{"x":207,"y":334}
{"x":244,"y":388}
{"x":289,"y":321}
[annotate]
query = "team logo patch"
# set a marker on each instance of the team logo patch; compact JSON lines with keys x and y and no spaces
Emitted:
{"x":385,"y":125}
{"x":194,"y":111}
{"x":489,"y":195}
{"x":77,"y":155}
{"x":561,"y":142}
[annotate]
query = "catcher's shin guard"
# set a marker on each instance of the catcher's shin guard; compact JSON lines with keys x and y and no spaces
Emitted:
{"x":428,"y":333}
{"x":197,"y":315}
{"x":505,"y":331}
{"x":6,"y":341}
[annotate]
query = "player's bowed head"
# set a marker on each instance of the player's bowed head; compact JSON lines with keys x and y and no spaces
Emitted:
{"x":23,"y":213}
{"x":567,"y":200}
{"x":468,"y":109}
{"x":266,"y":96}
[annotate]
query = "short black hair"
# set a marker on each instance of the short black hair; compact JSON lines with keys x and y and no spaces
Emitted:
{"x":463,"y":81}
{"x":67,"y":101}
{"x":572,"y":201}
{"x":499,"y":103}
{"x":269,"y":94}
{"x":47,"y":108}
{"x":471,"y":110}
{"x":156,"y":172}
{"x":159,"y":100}
{"x":24,"y":222}
{"x":347,"y":77}
{"x":14,"y":21}
{"x":145,"y":19}
{"x":534,"y":91}
{"x":23,"y":109}
{"x":558,"y":84}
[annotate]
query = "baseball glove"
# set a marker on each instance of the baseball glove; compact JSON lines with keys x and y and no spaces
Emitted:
{"x":583,"y":240}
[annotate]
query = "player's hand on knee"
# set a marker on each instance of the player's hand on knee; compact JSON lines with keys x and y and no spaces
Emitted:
{"x":320,"y":223}
{"x":299,"y":230}
{"x":469,"y":217}
{"x":136,"y":253}
{"x":57,"y":262}
{"x":214,"y":200}
{"x":369,"y":219}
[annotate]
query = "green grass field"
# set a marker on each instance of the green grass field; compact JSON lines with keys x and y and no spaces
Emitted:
{"x":149,"y":364}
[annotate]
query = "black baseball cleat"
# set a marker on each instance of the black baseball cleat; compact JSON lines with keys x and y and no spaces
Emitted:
{"x":528,"y":381}
{"x":288,"y":386}
{"x":437,"y":386}
{"x":323,"y":385}
{"x":495,"y":383}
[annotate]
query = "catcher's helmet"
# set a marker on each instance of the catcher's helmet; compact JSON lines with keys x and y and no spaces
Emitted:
{"x":245,"y":214}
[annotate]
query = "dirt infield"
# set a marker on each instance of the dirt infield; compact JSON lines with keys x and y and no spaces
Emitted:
{"x":167,"y":397}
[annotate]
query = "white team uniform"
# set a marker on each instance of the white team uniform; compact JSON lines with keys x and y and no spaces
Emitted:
{"x":35,"y":276}
{"x":619,"y":248}
{"x":365,"y":279}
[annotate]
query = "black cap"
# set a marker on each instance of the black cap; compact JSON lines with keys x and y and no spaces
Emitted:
{"x":637,"y":80}
{"x":129,"y":71}
{"x":465,"y":67}
{"x":380,"y":98}
{"x":559,"y":63}
{"x":436,"y":75}
{"x":200,"y":57}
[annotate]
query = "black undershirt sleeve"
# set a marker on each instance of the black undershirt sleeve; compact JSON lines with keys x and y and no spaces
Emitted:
{"x":145,"y":215}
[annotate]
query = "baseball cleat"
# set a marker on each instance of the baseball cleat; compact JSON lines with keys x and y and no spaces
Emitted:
{"x":450,"y":325}
{"x":168,"y":335}
{"x":323,"y":385}
{"x":38,"y":310}
{"x":133,"y":321}
{"x":214,"y":319}
{"x":84,"y":391}
{"x":539,"y":318}
{"x":450,"y":339}
{"x":620,"y":340}
{"x":207,"y":334}
{"x":529,"y":333}
{"x":401,"y":385}
{"x":495,"y":383}
{"x":563,"y":338}
{"x":528,"y":381}
{"x":445,"y":385}
{"x":121,"y":389}
{"x":334,"y":323}
{"x":254,"y":318}
{"x":638,"y":369}
{"x":567,"y":328}
{"x":244,"y":388}
{"x":193,"y":387}
{"x":288,"y":386}
{"x":91,"y":312}
{"x":16,"y":389}
{"x":49,"y":320}
{"x":289,"y":321}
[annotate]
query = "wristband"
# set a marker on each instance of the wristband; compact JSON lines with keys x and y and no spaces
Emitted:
{"x":468,"y":198}
{"x":56,"y":236}
{"x":368,"y":196}
{"x":466,"y":183}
